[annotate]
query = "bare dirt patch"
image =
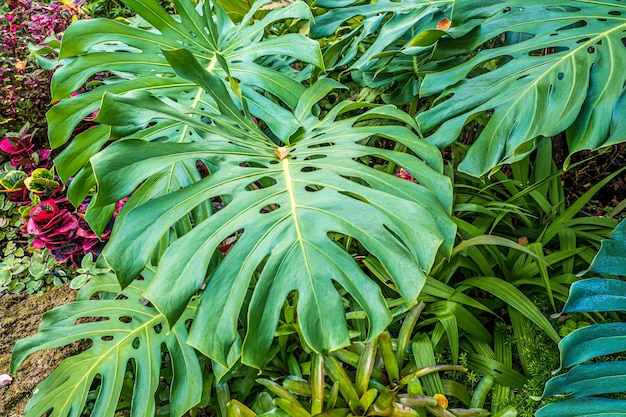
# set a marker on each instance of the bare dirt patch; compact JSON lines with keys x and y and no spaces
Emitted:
{"x":20,"y":315}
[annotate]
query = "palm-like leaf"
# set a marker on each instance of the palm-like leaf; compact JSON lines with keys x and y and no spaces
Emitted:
{"x":127,"y":331}
{"x":585,"y":381}
{"x":564,"y":75}
{"x":285,"y":203}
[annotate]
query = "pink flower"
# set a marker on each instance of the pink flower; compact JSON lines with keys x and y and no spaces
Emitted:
{"x":405,"y":175}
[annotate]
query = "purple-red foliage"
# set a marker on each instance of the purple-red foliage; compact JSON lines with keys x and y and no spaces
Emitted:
{"x":64,"y":232}
{"x":23,"y":153}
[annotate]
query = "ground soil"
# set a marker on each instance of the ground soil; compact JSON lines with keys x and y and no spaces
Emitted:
{"x":597,"y":166}
{"x":20,"y":315}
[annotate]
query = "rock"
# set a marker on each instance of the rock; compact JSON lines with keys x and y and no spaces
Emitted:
{"x":5,"y":379}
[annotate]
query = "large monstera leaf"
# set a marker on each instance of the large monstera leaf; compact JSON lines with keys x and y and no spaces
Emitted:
{"x":125,"y":331}
{"x":586,"y":384}
{"x":283,"y":202}
{"x":131,"y":55}
{"x":564,"y":74}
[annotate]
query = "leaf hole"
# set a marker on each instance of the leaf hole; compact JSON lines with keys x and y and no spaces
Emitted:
{"x":624,"y":42}
{"x":583,"y":40}
{"x":575,"y":25}
{"x":353,"y":196}
{"x":274,"y":162}
{"x":321,"y":145}
{"x":136,"y":343}
{"x":563,"y":9}
{"x":560,"y":76}
{"x":615,"y":13}
{"x":90,"y":319}
{"x":264,"y":182}
{"x":313,"y":188}
{"x":522,"y":77}
{"x":145,"y":302}
{"x":602,"y":19}
{"x":269,"y":208}
{"x":591,"y":49}
{"x":316,"y":156}
{"x":158,"y":328}
{"x":126,"y":319}
{"x":228,"y":243}
{"x":202,"y":168}
{"x":547,"y":51}
{"x":106,"y":338}
{"x":309,"y":169}
{"x":250,"y":164}
{"x":506,"y":10}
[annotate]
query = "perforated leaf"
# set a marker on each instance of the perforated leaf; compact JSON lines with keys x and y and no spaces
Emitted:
{"x":123,"y":332}
{"x":564,"y":73}
{"x":284,"y":204}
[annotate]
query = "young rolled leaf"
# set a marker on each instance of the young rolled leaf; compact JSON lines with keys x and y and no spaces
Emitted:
{"x":562,"y":75}
{"x":126,"y":331}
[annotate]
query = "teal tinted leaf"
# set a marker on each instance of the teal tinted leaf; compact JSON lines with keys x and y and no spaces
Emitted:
{"x":596,"y":294}
{"x":585,"y":380}
{"x":589,"y":379}
{"x":564,"y":76}
{"x":611,"y":259}
{"x":126,"y":331}
{"x":590,"y":406}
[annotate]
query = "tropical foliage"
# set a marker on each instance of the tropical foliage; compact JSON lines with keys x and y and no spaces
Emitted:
{"x":287,"y":208}
{"x":587,"y":382}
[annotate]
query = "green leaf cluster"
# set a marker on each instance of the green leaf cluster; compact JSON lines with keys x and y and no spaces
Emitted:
{"x":266,"y":227}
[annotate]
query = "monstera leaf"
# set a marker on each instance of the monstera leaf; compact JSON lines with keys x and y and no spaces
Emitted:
{"x":125,"y":331}
{"x":585,"y":382}
{"x":384,"y":29}
{"x":564,"y":74}
{"x":390,"y":45}
{"x":283,"y":202}
{"x":132,"y":58}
